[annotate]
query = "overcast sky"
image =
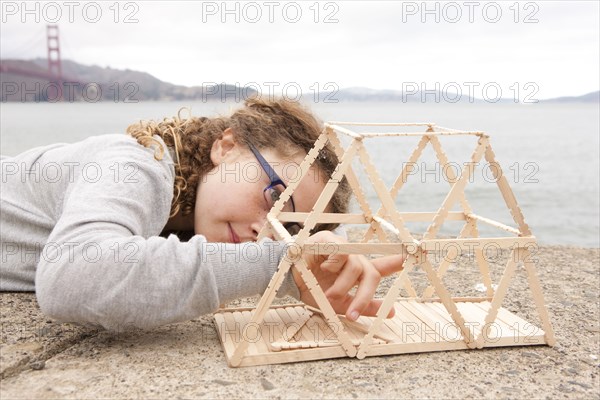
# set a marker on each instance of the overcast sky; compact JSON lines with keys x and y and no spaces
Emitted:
{"x":555,"y":45}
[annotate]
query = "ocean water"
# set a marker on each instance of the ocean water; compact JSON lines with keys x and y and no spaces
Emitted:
{"x":548,"y":152}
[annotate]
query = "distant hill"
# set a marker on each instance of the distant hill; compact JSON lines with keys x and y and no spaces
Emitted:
{"x":84,"y":82}
{"x":366,"y":94}
{"x":28,"y":80}
{"x":593,"y":97}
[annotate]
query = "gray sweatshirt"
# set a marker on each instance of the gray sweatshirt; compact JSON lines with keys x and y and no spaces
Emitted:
{"x":79,"y":224}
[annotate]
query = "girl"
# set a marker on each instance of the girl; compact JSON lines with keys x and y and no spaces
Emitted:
{"x":160,"y":225}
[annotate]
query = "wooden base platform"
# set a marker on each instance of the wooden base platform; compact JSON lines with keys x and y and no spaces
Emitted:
{"x":296,"y":333}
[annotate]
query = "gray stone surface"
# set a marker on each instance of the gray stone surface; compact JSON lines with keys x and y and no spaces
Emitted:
{"x":41,"y":358}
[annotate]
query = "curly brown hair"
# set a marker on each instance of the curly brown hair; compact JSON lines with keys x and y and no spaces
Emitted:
{"x":279,"y":124}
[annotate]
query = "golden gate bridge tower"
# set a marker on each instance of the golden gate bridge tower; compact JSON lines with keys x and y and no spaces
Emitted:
{"x":54,"y":63}
{"x":53,"y":89}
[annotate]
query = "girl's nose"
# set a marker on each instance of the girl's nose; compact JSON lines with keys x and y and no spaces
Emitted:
{"x":258,"y":225}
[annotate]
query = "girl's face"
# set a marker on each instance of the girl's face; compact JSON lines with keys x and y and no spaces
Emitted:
{"x":230,"y":203}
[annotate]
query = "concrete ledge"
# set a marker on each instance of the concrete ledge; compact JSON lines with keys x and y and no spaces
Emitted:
{"x":41,"y":358}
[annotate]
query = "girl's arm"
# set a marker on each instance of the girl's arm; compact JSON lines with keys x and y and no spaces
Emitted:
{"x":104,"y":265}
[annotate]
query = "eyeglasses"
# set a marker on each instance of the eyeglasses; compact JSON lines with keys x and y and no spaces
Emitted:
{"x":273,"y":191}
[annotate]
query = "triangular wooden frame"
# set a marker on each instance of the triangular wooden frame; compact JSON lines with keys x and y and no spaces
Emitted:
{"x":283,"y":329}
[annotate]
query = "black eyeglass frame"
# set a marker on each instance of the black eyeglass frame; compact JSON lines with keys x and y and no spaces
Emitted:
{"x":275,"y":180}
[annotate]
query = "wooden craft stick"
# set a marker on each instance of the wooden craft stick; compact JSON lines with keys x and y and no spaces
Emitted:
{"x":388,"y":203}
{"x":466,"y":230}
{"x":325,"y":217}
{"x":443,"y":128}
{"x":356,"y":187}
{"x":345,"y":131}
{"x":291,"y":327}
{"x":272,"y":318}
{"x":380,"y":123}
{"x":456,"y":300}
{"x":437,"y":133}
{"x":328,"y":191}
{"x":309,"y":344}
{"x":354,"y":324}
{"x":456,"y":190}
{"x":482,"y":262}
{"x":262,"y":307}
{"x":448,"y":302}
{"x":538,"y":297}
{"x":387,"y":304}
{"x":299,"y":331}
{"x":509,"y":272}
{"x":325,"y":306}
{"x":390,"y":209}
{"x":452,"y":178}
{"x":287,"y":193}
{"x":507,"y":193}
{"x":495,"y":224}
{"x":400,"y":181}
{"x":304,"y":168}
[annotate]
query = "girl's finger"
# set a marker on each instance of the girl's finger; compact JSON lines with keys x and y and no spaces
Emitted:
{"x":334,"y":263}
{"x":373,"y":307}
{"x":347,"y":279}
{"x":369,"y":280}
{"x":390,"y":264}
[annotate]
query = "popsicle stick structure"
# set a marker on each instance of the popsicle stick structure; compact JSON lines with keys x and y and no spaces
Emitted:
{"x":430,"y":321}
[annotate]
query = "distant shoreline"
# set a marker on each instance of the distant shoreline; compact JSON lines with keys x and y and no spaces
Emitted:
{"x":29,"y":81}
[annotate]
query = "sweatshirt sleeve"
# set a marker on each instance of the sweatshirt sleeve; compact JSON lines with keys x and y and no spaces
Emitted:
{"x":104,"y":265}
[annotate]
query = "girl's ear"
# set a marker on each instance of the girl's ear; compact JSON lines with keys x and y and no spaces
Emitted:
{"x":224,"y":148}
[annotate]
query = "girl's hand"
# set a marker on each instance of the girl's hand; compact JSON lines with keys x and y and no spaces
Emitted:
{"x":338,"y":273}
